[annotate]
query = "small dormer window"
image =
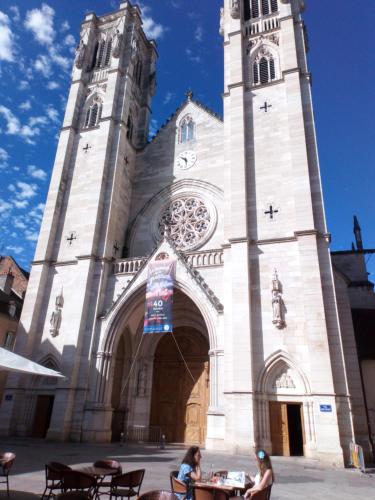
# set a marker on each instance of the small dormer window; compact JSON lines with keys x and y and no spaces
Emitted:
{"x":187,"y":129}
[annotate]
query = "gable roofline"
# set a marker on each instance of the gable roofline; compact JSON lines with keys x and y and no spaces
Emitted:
{"x":194,"y":273}
{"x":26,"y":274}
{"x":187,"y":101}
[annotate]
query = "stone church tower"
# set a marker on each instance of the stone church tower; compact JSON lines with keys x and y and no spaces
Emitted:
{"x":238,"y":203}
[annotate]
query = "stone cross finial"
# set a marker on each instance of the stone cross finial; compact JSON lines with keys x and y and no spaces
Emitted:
{"x":189,"y":95}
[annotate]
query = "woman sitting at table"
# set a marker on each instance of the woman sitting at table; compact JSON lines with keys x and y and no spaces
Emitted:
{"x":190,"y":469}
{"x":264,"y":476}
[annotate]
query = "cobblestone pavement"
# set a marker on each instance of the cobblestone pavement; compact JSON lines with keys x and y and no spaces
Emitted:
{"x":296,"y":478}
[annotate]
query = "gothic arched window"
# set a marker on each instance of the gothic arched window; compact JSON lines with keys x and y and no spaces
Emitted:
{"x":138,"y":72}
{"x":254,"y":8}
{"x":264,"y":69}
{"x":129,"y":127}
{"x":102,"y":53}
{"x":93,"y":114}
{"x":187,"y":129}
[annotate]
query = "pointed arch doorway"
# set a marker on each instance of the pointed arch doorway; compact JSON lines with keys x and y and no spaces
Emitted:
{"x":179,"y":405}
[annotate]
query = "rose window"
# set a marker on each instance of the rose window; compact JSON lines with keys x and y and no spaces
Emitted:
{"x":187,"y":221}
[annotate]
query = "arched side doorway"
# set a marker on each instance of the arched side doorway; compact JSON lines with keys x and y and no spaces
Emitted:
{"x":285,"y":410}
{"x":179,"y":405}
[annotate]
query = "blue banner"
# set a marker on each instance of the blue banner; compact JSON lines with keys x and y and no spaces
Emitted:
{"x":159,"y":296}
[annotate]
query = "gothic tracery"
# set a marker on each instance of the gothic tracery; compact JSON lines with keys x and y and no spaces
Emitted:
{"x":187,"y":221}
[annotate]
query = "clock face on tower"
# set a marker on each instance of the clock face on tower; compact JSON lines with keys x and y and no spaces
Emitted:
{"x":186,"y":159}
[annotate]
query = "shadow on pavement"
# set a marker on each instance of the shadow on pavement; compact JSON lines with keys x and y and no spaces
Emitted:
{"x":18,"y":495}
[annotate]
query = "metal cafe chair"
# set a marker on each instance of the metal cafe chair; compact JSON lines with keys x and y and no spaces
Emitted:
{"x":177,"y":486}
{"x":107,"y":463}
{"x":54,"y":471}
{"x":127,"y":485}
{"x":6,"y":461}
{"x":74,"y":480}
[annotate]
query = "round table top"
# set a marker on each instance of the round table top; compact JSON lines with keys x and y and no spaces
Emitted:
{"x":98,"y":471}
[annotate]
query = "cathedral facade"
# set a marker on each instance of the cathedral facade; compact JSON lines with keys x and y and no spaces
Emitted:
{"x":237,"y":202}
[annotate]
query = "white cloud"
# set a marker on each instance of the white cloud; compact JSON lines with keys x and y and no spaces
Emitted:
{"x":53,"y":114}
{"x":25,"y":106}
{"x":192,"y":57}
{"x":3,"y":155}
{"x":43,"y":65}
{"x":20,"y":204}
{"x":4,"y":206}
{"x":36,"y":173}
{"x":16,"y":13}
{"x":198,"y":34}
{"x":36,"y":213}
{"x":6,"y":39}
{"x":65,"y":26}
{"x":153,"y":127}
{"x":64,"y":62}
{"x":38,"y":120}
{"x":31,"y":235}
{"x":52,"y":85}
{"x":168,"y":97}
{"x":152,"y":29}
{"x":40,"y":23}
{"x":14,"y":127}
{"x":26,"y":190}
{"x":69,"y":40}
{"x":19,"y":224}
{"x":24,"y":84}
{"x":14,"y":249}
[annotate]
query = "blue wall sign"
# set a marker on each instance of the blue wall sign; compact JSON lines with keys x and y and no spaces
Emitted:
{"x":326,"y":408}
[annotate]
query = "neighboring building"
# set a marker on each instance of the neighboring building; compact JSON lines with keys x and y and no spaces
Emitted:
{"x":255,"y":309}
{"x":356,"y":292}
{"x":13,"y":284}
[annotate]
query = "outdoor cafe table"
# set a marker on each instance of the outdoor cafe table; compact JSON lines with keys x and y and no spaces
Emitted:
{"x":232,"y":490}
{"x":98,"y":472}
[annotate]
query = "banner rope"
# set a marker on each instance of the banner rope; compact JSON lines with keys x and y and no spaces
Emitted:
{"x":132,"y":366}
{"x":183,"y":359}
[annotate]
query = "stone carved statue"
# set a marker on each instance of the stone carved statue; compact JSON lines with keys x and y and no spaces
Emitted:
{"x":116,"y":44}
{"x":56,"y":316}
{"x":285,"y":381}
{"x":80,"y":54}
{"x":221,"y":28}
{"x":142,"y":381}
{"x":278,"y":306}
{"x":235,"y":9}
{"x":134,"y":48}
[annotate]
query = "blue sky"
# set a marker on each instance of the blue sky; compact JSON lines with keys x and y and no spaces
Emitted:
{"x":37,"y":41}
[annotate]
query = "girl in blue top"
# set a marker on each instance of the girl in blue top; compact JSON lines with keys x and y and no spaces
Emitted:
{"x":190,"y":469}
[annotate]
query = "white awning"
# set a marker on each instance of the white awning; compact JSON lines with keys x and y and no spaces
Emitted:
{"x":9,"y":361}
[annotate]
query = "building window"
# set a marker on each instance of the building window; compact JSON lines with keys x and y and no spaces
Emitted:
{"x":187,"y":129}
{"x":255,"y":8}
{"x":138,"y":72}
{"x":129,"y":128}
{"x":10,"y":337}
{"x":264,"y":69}
{"x":93,"y":115}
{"x":102,"y":53}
